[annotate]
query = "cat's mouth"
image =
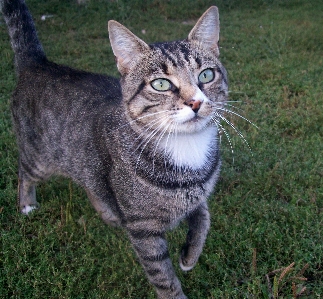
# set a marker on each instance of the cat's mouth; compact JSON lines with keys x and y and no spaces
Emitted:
{"x":194,"y":124}
{"x":196,"y":119}
{"x":188,"y":121}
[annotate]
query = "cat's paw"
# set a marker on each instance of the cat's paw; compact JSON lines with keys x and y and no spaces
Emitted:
{"x":185,"y":266}
{"x":28,"y":209}
{"x":110,"y":219}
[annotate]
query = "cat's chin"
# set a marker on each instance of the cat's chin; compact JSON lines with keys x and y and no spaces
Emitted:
{"x":194,"y":125}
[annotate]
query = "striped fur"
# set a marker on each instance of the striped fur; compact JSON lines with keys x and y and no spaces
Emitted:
{"x":147,"y":158}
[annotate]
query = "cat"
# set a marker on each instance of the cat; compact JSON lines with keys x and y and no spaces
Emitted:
{"x":145,"y":147}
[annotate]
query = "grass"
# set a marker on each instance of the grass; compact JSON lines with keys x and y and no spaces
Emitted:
{"x":266,"y":235}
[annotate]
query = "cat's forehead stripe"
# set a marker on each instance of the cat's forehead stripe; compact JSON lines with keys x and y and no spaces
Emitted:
{"x":167,"y":54}
{"x":179,"y":53}
{"x":165,"y":69}
{"x":198,"y":61}
{"x":185,"y":51}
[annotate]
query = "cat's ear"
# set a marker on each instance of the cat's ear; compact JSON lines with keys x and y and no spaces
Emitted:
{"x":125,"y":45}
{"x":206,"y":31}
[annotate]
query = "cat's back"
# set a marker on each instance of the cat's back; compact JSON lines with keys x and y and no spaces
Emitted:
{"x":50,"y":84}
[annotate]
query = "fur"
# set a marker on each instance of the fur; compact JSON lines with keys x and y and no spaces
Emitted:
{"x":147,"y":158}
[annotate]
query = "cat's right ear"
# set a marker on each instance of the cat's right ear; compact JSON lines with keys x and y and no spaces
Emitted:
{"x":126,"y":46}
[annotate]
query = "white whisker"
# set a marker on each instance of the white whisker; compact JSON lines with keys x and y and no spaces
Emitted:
{"x":140,"y":118}
{"x":158,"y":142}
{"x":166,"y":144}
{"x":232,"y":106}
{"x":236,"y":130}
{"x":147,"y":128}
{"x":239,"y":115}
{"x":217,"y":122}
{"x":149,"y":138}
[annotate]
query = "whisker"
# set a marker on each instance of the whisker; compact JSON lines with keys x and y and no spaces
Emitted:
{"x":141,"y":117}
{"x":217,"y":122}
{"x":178,"y":167}
{"x":226,"y":103}
{"x":149,"y":138}
{"x":158,"y":141}
{"x":236,"y":130}
{"x":239,"y":115}
{"x":148,"y":127}
{"x":166,"y":144}
{"x":232,"y":106}
{"x":146,"y":138}
{"x":231,"y":102}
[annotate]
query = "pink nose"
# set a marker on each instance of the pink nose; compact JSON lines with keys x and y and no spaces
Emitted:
{"x":194,"y":104}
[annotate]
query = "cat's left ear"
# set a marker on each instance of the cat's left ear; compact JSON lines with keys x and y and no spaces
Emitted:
{"x":206,"y":31}
{"x":126,"y":46}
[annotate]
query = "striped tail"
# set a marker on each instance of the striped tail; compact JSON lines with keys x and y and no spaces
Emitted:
{"x":24,"y":41}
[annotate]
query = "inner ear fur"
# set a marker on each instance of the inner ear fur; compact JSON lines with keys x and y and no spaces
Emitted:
{"x":126,"y":47}
{"x":207,"y":30}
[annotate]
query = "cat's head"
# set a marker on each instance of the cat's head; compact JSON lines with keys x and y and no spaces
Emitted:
{"x":172,"y":86}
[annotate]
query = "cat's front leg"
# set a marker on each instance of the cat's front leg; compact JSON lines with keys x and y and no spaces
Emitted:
{"x":103,"y":209}
{"x":199,"y":224}
{"x":151,"y":248}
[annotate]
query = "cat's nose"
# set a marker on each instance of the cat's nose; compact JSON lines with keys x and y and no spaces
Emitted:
{"x":194,"y":104}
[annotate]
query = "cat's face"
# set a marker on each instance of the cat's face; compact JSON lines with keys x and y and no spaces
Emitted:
{"x":177,"y":86}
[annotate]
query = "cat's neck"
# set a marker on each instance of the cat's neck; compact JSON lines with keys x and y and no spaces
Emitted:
{"x":190,"y":150}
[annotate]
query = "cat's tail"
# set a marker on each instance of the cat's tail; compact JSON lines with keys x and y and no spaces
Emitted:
{"x":24,"y":41}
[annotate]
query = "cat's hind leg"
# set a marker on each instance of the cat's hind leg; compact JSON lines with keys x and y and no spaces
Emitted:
{"x":26,"y":192}
{"x":199,"y":224}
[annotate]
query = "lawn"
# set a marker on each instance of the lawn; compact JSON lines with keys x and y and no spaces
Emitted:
{"x":267,"y":210}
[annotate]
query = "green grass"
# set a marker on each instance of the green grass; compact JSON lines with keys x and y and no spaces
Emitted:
{"x":267,"y":208}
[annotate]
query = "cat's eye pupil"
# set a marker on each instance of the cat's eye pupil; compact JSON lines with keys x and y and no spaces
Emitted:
{"x":206,"y":76}
{"x":161,"y":85}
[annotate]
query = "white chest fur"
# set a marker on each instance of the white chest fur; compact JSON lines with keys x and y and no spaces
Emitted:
{"x":190,"y":150}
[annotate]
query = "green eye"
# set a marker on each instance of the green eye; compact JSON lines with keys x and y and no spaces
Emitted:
{"x":161,"y":85}
{"x":206,"y":76}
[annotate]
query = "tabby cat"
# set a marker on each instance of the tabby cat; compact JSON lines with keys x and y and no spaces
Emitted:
{"x":144,"y":147}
